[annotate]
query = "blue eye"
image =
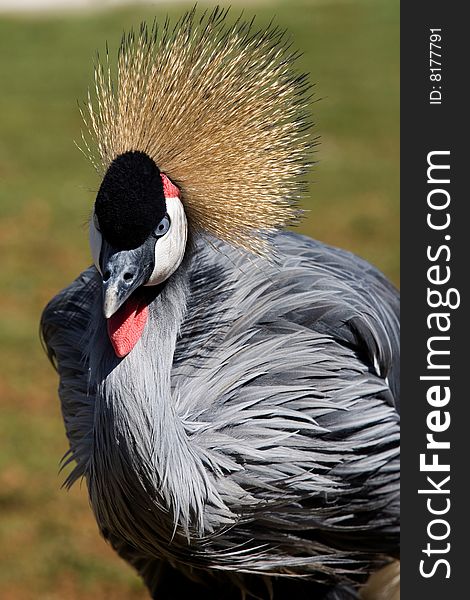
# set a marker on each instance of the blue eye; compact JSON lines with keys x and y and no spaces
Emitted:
{"x":163,"y":226}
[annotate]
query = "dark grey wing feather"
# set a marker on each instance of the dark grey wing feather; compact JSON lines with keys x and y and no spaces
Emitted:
{"x":64,"y":323}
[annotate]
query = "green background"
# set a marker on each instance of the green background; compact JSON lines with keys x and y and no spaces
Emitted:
{"x":49,"y":544}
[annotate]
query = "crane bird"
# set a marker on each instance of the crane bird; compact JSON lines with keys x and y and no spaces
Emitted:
{"x":229,"y":389}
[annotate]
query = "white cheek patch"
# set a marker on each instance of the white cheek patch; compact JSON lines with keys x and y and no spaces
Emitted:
{"x":95,"y":244}
{"x":170,"y":248}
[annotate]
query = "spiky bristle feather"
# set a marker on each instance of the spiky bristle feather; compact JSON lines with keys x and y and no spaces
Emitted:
{"x":221,"y":111}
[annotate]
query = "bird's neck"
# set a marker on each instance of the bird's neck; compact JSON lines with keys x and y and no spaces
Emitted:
{"x":141,"y":448}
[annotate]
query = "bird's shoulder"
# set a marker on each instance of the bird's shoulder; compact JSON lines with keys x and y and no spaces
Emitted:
{"x":308,"y":289}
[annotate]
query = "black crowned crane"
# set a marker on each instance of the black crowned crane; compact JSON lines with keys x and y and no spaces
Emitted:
{"x":229,"y":390}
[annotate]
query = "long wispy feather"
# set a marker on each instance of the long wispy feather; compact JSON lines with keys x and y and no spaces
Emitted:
{"x":221,"y":110}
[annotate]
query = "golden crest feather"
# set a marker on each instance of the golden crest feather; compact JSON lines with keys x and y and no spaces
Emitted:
{"x":221,"y":111}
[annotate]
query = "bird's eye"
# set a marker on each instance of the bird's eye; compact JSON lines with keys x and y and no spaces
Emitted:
{"x":95,"y":222}
{"x":162,"y":227}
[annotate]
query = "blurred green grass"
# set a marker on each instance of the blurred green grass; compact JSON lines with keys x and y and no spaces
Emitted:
{"x":49,"y":545}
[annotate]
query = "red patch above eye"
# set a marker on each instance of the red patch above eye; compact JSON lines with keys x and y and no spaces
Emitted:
{"x":169,"y":189}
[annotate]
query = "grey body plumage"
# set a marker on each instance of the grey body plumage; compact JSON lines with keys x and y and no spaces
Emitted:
{"x":253,"y":431}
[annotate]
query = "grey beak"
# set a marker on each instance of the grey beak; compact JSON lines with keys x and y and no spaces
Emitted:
{"x":123,"y":272}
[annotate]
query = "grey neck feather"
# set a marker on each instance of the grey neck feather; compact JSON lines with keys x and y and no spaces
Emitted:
{"x":142,"y":452}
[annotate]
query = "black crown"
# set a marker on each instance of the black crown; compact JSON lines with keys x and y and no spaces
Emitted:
{"x":130,"y":202}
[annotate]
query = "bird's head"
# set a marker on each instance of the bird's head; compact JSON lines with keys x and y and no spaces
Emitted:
{"x":138,"y":235}
{"x":221,"y":109}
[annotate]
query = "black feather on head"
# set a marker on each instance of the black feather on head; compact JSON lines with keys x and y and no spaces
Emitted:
{"x":130,"y":202}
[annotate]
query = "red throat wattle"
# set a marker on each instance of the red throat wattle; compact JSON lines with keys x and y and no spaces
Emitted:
{"x":126,"y":326}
